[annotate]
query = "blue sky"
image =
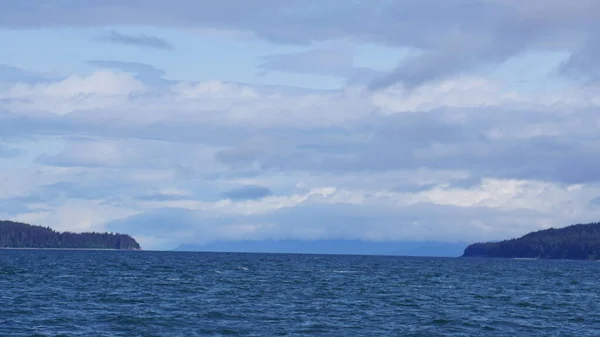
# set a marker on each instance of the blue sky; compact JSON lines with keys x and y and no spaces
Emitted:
{"x":188,"y":122}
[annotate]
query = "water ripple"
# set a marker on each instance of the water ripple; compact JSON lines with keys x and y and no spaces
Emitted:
{"x":106,"y":293}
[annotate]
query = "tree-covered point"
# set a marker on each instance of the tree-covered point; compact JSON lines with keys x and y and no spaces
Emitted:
{"x":575,"y":242}
{"x":21,"y":235}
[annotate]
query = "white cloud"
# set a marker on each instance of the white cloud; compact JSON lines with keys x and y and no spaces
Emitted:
{"x":100,"y":90}
{"x":433,"y":163}
{"x":74,"y":215}
{"x":510,"y":195}
{"x":478,"y":92}
{"x":111,"y":96}
{"x":23,"y":182}
{"x":442,"y":150}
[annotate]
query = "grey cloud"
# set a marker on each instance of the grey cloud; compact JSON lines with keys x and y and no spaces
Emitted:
{"x":583,"y":64}
{"x":466,"y":183}
{"x":147,"y":41}
{"x":332,"y":222}
{"x":453,"y":36}
{"x":79,"y":124}
{"x":122,"y":154}
{"x":408,"y":141}
{"x":86,"y":188}
{"x":159,"y":222}
{"x":403,"y":141}
{"x":184,"y":172}
{"x":237,"y":157}
{"x":10,"y":73}
{"x":412,"y":187}
{"x":14,"y":206}
{"x":142,"y":69}
{"x":348,"y":221}
{"x":161,"y":197}
{"x":595,"y":201}
{"x":115,"y":187}
{"x":337,"y":61}
{"x":424,"y":140}
{"x":248,"y":192}
{"x":405,"y":23}
{"x":430,"y":66}
{"x":8,"y":152}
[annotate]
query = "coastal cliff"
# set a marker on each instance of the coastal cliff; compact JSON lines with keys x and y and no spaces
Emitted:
{"x":21,"y":235}
{"x":575,"y":242}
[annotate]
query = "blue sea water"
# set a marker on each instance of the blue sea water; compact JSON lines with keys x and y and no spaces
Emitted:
{"x":117,"y":293}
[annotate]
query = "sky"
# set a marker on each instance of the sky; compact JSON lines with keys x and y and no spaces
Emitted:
{"x":193,"y":121}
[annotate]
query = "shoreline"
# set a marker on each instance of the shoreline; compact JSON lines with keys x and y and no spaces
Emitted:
{"x":103,"y":249}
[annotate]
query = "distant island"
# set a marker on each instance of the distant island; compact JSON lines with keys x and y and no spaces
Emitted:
{"x":22,"y":235}
{"x":575,"y":242}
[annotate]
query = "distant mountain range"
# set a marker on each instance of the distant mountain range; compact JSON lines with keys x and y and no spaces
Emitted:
{"x":356,"y":247}
{"x":22,"y":235}
{"x":576,"y":242}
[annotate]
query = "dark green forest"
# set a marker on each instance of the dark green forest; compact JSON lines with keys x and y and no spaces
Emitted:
{"x":21,"y":235}
{"x":575,"y":242}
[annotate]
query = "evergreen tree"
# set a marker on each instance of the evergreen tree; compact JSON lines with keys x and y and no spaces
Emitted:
{"x":576,"y":242}
{"x":21,"y":235}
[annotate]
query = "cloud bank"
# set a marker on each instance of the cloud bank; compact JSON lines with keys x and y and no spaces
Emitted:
{"x":441,"y":147}
{"x":448,"y":38}
{"x":455,"y":160}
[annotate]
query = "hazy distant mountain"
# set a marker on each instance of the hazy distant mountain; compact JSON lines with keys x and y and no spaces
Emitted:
{"x":333,"y":247}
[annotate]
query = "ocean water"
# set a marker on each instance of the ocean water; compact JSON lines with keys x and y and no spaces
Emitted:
{"x":116,"y":293}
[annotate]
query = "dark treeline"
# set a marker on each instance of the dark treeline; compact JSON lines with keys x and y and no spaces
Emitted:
{"x":576,"y":242}
{"x":21,"y":235}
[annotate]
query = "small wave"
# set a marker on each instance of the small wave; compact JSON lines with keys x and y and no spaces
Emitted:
{"x":344,"y":271}
{"x":441,"y":321}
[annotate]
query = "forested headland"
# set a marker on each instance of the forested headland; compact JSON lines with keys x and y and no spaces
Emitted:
{"x":22,"y":235}
{"x":575,"y":242}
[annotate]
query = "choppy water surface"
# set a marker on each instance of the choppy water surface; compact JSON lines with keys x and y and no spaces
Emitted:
{"x":110,"y":293}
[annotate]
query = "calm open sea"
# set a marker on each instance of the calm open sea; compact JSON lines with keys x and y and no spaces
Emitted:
{"x":116,"y":293}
